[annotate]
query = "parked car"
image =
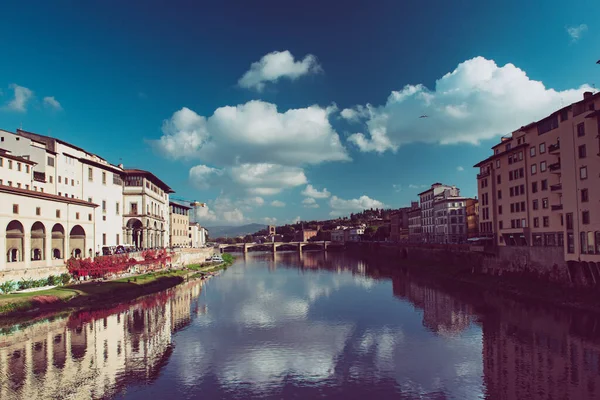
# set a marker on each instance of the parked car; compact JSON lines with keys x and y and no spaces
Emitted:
{"x":216,"y":258}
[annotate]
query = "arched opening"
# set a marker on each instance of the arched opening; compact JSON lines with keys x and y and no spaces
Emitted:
{"x":77,"y":241}
{"x":14,"y":241}
{"x":135,"y":232}
{"x":58,"y":242}
{"x":38,"y":242}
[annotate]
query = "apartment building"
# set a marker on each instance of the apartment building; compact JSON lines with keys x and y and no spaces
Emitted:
{"x":179,"y":216}
{"x":541,"y":185}
{"x":472,"y":210}
{"x":450,"y":219}
{"x":197,"y":235}
{"x":415,"y":234}
{"x":399,"y":225}
{"x":427,"y":212}
{"x":146,"y":218}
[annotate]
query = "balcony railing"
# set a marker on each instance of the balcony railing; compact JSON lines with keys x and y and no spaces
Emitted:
{"x":554,"y":147}
{"x":39,"y":176}
{"x":556,"y":188}
{"x":554,"y":167}
{"x":557,"y":207}
{"x":483,"y":174}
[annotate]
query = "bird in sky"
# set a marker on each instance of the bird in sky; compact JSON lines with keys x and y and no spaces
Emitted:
{"x":424,"y":116}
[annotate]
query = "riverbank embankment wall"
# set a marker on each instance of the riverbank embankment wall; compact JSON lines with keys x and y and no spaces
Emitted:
{"x":539,"y":263}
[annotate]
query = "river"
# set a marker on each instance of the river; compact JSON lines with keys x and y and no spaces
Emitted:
{"x":317,"y":325}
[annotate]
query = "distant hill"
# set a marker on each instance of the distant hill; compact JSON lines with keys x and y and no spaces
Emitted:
{"x":233,"y":231}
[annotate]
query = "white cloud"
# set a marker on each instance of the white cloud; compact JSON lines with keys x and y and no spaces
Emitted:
{"x":252,"y":146}
{"x":22,"y":95}
{"x":183,"y":134}
{"x":357,"y":113}
{"x":277,"y":203}
{"x":309,"y":202}
{"x":478,"y":100}
{"x":204,"y":214}
{"x":295,"y":220}
{"x":310,"y":191}
{"x":248,"y":179}
{"x":277,"y":65}
{"x":269,"y":220}
{"x":269,"y":178}
{"x":203,"y":176}
{"x":341,"y":206}
{"x":575,"y":32}
{"x":254,"y":132}
{"x":413,"y":186}
{"x":234,"y":216}
{"x":223,"y":211}
{"x":397,"y":188}
{"x":460,"y":168}
{"x":250,"y":203}
{"x":51,"y":102}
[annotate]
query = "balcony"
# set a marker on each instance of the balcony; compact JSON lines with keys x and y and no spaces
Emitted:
{"x":554,"y":148}
{"x":39,"y":176}
{"x":554,"y":167}
{"x":556,"y":188}
{"x":557,"y":207}
{"x":483,"y":174}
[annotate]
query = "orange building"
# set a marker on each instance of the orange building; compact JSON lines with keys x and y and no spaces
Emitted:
{"x":542,"y":184}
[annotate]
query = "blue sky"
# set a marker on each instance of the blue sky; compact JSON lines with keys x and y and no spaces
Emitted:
{"x":171,"y":87}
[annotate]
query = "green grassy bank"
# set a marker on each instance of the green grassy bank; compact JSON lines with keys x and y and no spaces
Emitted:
{"x":101,"y":294}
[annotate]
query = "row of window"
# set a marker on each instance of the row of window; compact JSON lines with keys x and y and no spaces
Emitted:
{"x":9,"y":164}
{"x":38,"y":212}
{"x":589,"y":242}
{"x":104,"y":239}
{"x":514,"y":207}
{"x":512,"y":158}
{"x":516,"y":174}
{"x":543,"y":184}
{"x":19,"y":185}
{"x":484,"y":199}
{"x":548,"y":239}
{"x":485,"y":227}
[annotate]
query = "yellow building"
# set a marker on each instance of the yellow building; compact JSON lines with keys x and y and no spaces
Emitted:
{"x":180,"y":224}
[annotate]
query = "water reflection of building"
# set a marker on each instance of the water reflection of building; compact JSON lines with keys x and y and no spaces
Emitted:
{"x":93,"y":354}
{"x":528,"y":355}
{"x":442,"y":313}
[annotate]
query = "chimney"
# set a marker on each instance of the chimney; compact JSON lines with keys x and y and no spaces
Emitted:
{"x":120,"y":166}
{"x":587,"y":95}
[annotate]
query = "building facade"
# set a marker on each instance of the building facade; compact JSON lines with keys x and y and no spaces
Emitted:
{"x":197,"y":235}
{"x":179,"y":216}
{"x":146,"y":213}
{"x":399,"y":225}
{"x":450,"y":219}
{"x":354,"y":234}
{"x":337,"y":235}
{"x":305,"y":234}
{"x":426,"y":199}
{"x":66,"y":170}
{"x":542,"y":184}
{"x":472,"y":211}
{"x":41,"y":231}
{"x":415,"y":234}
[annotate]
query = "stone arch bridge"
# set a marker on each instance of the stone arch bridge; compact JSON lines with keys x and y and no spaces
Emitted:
{"x":273,"y":246}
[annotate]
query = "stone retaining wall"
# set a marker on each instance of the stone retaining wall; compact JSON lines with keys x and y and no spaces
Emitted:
{"x":540,"y":263}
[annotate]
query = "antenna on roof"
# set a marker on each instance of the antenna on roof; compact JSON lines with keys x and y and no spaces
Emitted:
{"x":21,"y":126}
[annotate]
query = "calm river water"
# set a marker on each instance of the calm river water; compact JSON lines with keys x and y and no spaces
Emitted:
{"x":319,"y":325}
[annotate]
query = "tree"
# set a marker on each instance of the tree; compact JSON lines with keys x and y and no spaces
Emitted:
{"x":248,"y":239}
